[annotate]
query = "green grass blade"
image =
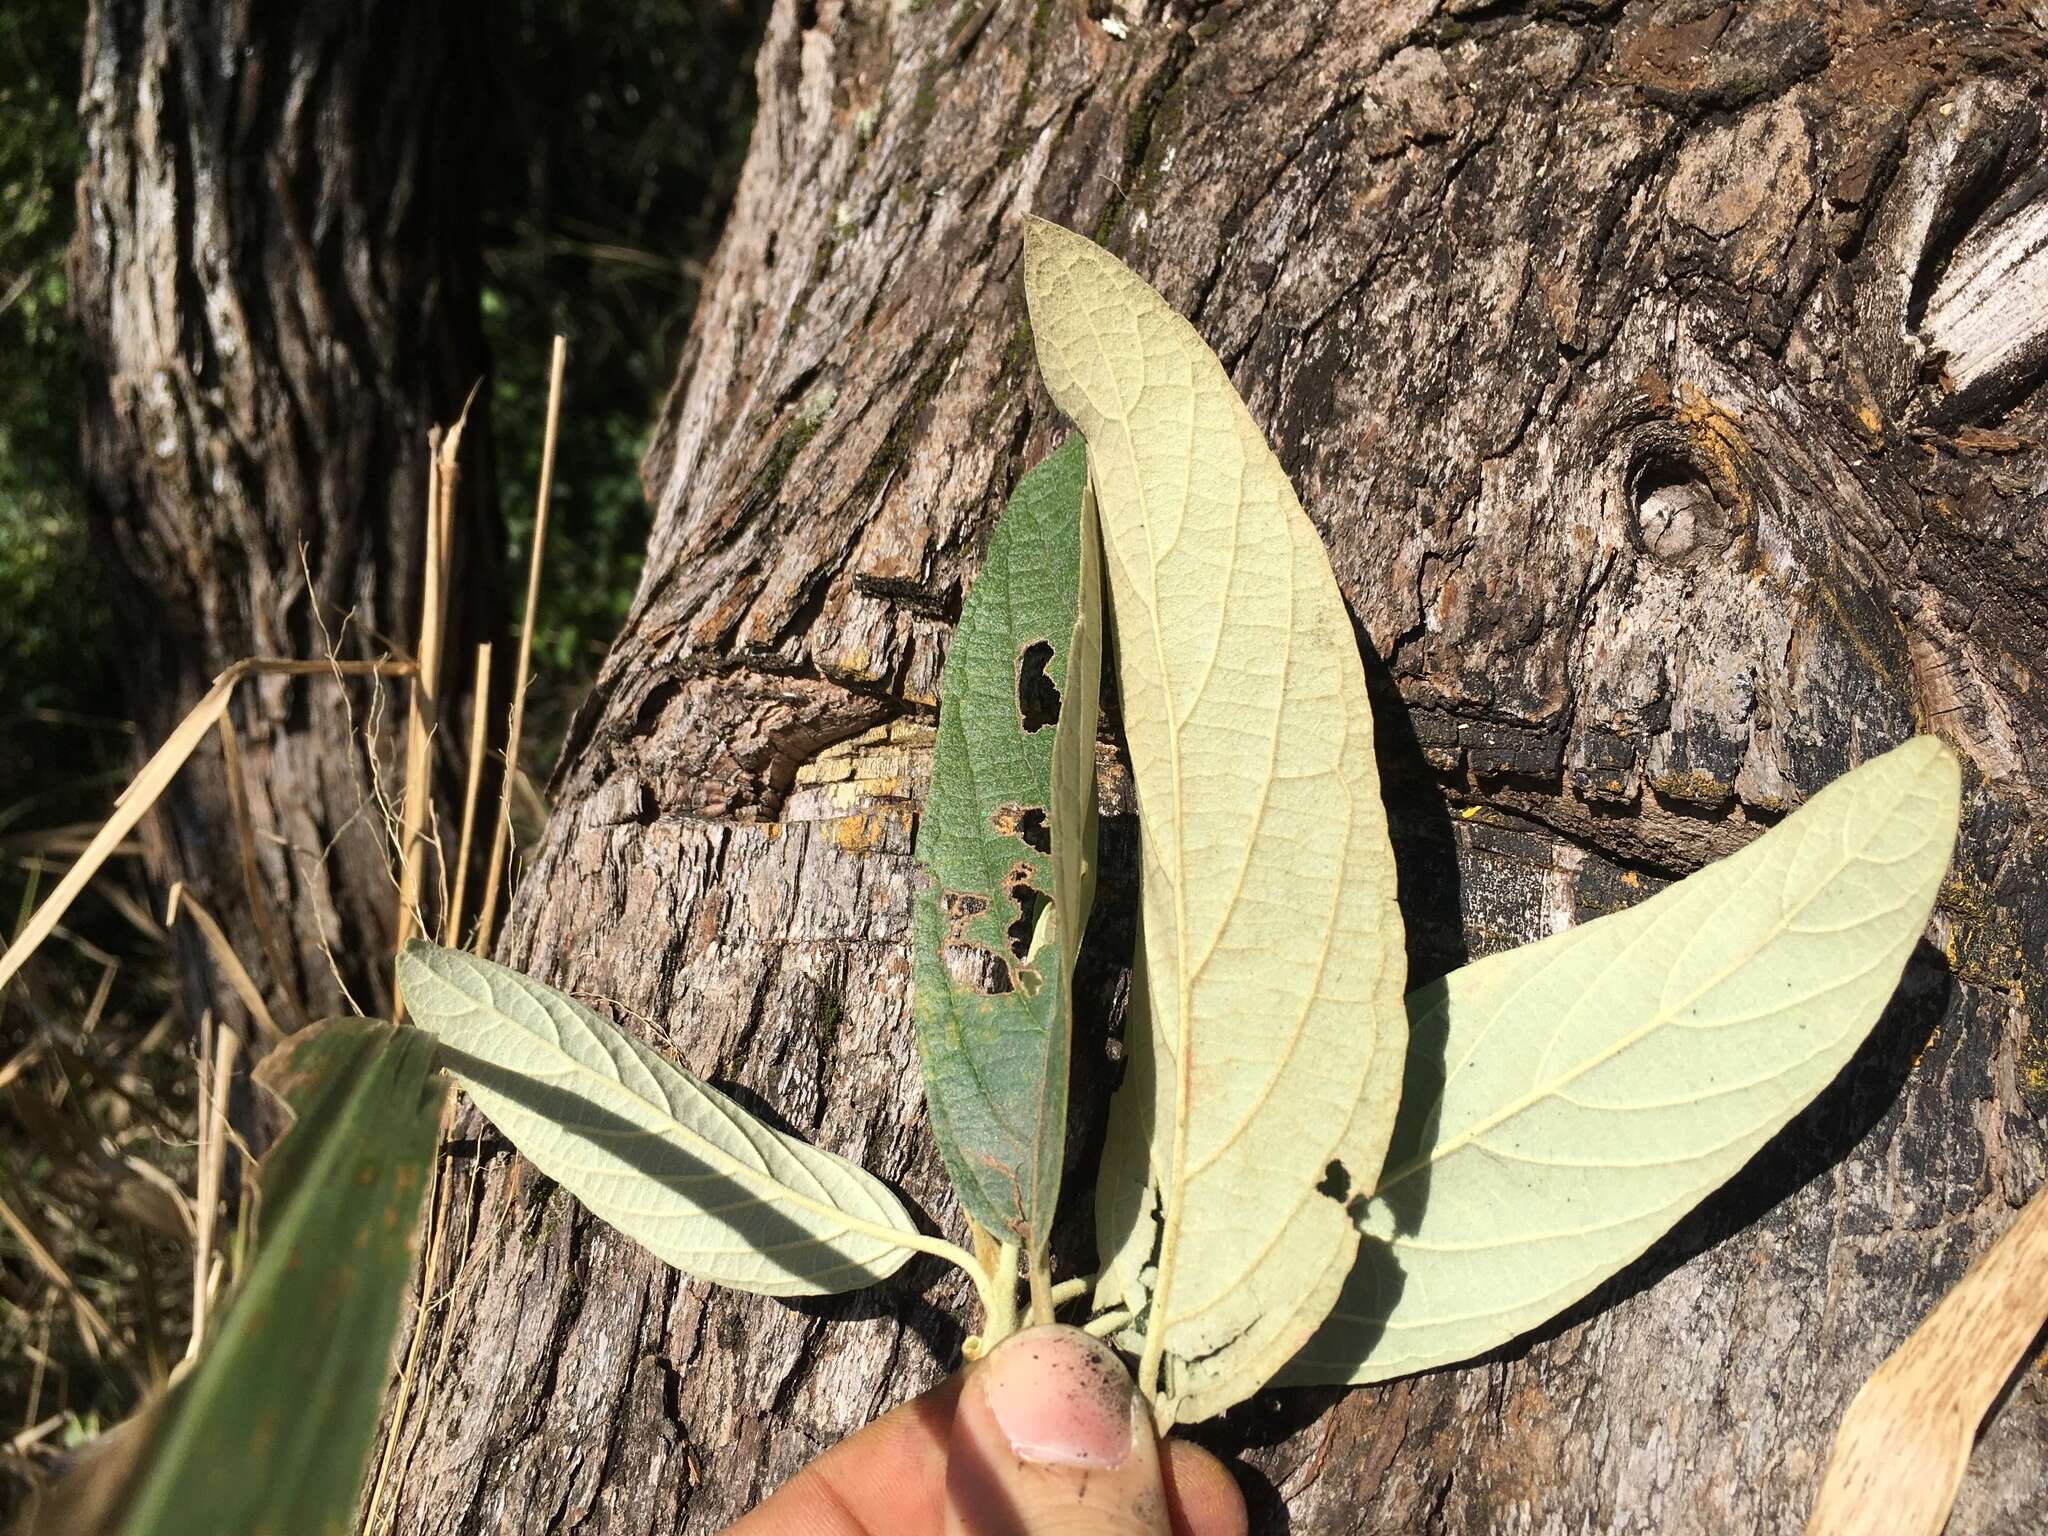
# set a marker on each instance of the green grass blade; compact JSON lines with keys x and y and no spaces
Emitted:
{"x":270,"y":1430}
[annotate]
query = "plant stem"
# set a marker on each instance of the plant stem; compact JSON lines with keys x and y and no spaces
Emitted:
{"x":999,"y":1298}
{"x":1072,"y":1290}
{"x":1040,"y":1277}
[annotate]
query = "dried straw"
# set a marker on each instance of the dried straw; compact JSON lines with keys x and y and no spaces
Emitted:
{"x":501,"y":834}
{"x":479,"y":725}
{"x":144,"y":789}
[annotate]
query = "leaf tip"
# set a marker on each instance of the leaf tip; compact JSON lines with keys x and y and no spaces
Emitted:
{"x":1044,"y":244}
{"x":1939,"y":755}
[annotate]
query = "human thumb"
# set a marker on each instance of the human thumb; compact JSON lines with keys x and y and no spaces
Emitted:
{"x":1051,"y":1439}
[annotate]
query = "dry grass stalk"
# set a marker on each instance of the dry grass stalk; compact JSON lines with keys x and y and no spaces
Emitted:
{"x":137,"y":916}
{"x":528,"y":794}
{"x":224,"y":956}
{"x":144,"y":789}
{"x":216,"y":1077}
{"x":479,"y":743}
{"x":98,"y":1005}
{"x":501,"y":834}
{"x":426,"y":684}
{"x":59,"y":842}
{"x":41,"y":1351}
{"x":36,"y":1433}
{"x":92,"y":1323}
{"x":173,"y":1199}
{"x":20,"y":1062}
{"x":203,"y":1209}
{"x":1900,"y":1453}
{"x":259,"y":909}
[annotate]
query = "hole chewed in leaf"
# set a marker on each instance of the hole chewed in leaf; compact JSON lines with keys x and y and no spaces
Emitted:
{"x":977,"y":969}
{"x":1030,"y":903}
{"x":961,"y":909}
{"x":972,"y":965}
{"x":1336,"y":1182}
{"x":1028,"y":826}
{"x":1038,"y":697}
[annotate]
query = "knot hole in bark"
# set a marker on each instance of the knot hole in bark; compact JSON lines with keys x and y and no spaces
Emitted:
{"x":1675,"y":513}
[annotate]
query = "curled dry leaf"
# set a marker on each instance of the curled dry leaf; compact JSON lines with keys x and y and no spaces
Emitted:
{"x":1899,"y":1456}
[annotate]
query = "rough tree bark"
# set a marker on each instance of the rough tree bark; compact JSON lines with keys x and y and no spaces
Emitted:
{"x":275,"y":272}
{"x":1678,"y":444}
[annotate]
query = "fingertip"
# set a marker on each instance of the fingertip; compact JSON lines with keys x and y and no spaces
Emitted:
{"x":1201,"y":1495}
{"x":879,"y":1478}
{"x":1052,"y":1436}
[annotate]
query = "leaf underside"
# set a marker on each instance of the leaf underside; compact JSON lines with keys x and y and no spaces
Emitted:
{"x":1008,"y":842}
{"x":668,"y":1160}
{"x":1267,"y":1030}
{"x":270,"y":1430}
{"x":1566,"y":1103}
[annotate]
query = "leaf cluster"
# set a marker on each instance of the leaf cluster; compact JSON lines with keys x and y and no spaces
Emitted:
{"x":1308,"y":1177}
{"x":52,"y":612}
{"x":625,"y":125}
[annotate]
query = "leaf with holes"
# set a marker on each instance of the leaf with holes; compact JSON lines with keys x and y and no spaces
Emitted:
{"x":1268,"y":1031}
{"x":1569,"y":1101}
{"x":1008,"y":841}
{"x":668,"y":1160}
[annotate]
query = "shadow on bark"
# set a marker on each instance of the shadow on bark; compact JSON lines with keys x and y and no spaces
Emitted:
{"x":902,"y":1295}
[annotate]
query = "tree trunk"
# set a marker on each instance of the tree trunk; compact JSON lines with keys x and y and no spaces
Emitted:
{"x":275,"y":270}
{"x":1674,"y":454}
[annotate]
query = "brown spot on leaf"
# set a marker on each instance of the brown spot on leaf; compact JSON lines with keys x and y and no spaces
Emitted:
{"x":961,"y":908}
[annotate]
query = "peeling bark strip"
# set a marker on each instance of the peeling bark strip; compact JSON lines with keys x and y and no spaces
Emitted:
{"x":1601,"y":343}
{"x":274,"y":276}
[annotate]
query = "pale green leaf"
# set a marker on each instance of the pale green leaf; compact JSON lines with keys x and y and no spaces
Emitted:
{"x":668,"y":1160}
{"x":1569,"y":1101}
{"x":1268,"y":1032}
{"x":1008,"y":840}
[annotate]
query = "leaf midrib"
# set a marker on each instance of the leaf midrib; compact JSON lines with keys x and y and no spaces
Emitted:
{"x":1172,"y":1196}
{"x":1171,"y":1192}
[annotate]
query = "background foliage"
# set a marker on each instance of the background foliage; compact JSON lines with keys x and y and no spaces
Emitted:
{"x":619,"y":125}
{"x":49,"y":607}
{"x":636,"y":117}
